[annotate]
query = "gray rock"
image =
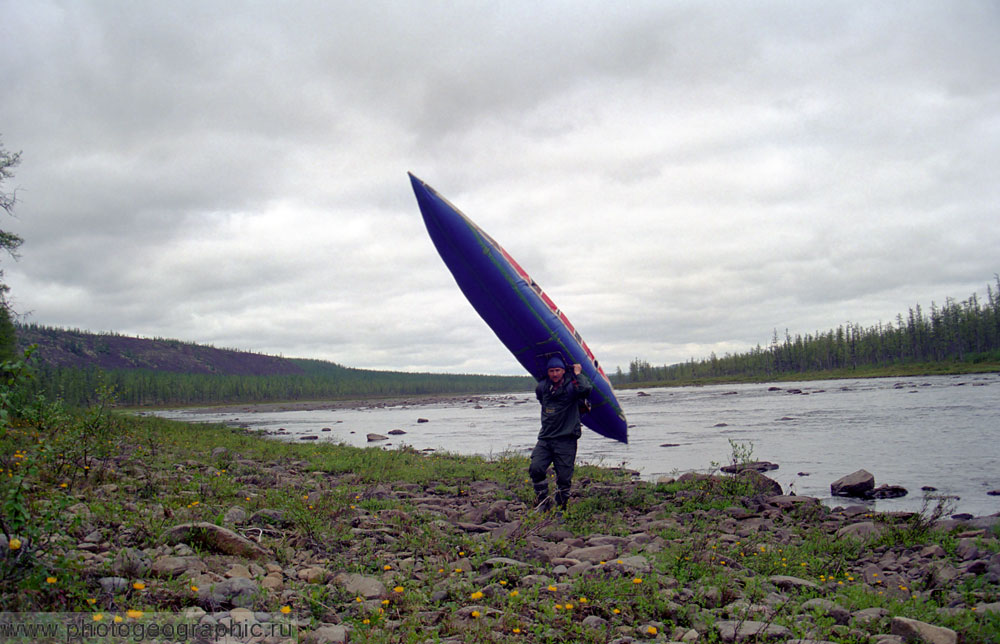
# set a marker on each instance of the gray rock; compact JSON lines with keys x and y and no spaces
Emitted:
{"x":593,"y":554}
{"x":886,"y":492}
{"x":869,"y":615}
{"x":863,"y":531}
{"x":758,"y":466}
{"x":168,"y":566}
{"x":376,"y":437}
{"x":312,"y":575}
{"x":913,"y":630}
{"x":733,"y":631}
{"x":360,"y":585}
{"x":269,"y":517}
{"x":237,"y":592}
{"x":495,"y":562}
{"x":593,"y":621}
{"x":827,"y":607}
{"x":328,"y":634}
{"x":760,"y":484}
{"x":216,"y":539}
{"x":786,"y":582}
{"x":235,"y":515}
{"x":132,"y":563}
{"x":855,"y":484}
{"x":966,"y":549}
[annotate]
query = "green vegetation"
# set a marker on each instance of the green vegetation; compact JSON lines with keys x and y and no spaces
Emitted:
{"x":144,"y":387}
{"x":9,"y":242}
{"x":170,"y":372}
{"x":960,"y":337}
{"x":90,"y":494}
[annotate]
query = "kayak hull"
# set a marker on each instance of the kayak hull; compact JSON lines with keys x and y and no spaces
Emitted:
{"x":521,"y":315}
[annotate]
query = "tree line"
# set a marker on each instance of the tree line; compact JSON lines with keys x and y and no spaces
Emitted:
{"x":966,"y":331}
{"x":145,"y":387}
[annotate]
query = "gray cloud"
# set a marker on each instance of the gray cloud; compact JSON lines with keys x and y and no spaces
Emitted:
{"x":681,"y":177}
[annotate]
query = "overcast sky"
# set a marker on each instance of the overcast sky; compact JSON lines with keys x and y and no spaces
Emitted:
{"x":681,"y":177}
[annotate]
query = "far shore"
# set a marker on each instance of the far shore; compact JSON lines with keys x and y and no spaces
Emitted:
{"x":910,"y":371}
{"x":356,"y":403}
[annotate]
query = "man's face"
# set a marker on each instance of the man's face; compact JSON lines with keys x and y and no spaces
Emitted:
{"x":556,"y":374}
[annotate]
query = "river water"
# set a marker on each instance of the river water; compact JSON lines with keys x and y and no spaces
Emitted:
{"x":935,"y":431}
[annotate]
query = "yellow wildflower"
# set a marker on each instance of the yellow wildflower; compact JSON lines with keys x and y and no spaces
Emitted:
{"x":476,"y":595}
{"x":51,"y":580}
{"x":286,"y":609}
{"x":97,"y":617}
{"x":139,"y":585}
{"x":397,"y":589}
{"x":637,"y":580}
{"x":476,"y":614}
{"x":133,"y":613}
{"x":14,"y":544}
{"x":651,"y":630}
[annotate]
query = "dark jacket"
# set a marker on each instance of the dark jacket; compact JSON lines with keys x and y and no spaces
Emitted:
{"x":560,"y":405}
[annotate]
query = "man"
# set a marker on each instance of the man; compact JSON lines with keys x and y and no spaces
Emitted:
{"x":560,"y":396}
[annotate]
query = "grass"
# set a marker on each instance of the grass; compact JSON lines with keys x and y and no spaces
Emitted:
{"x":70,"y":477}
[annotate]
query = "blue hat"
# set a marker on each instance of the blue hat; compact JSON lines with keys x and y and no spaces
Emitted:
{"x":556,"y":362}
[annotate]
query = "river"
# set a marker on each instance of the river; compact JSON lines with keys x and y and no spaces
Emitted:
{"x":931,"y":431}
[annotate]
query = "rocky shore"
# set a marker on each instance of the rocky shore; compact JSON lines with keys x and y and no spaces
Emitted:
{"x":234,"y":537}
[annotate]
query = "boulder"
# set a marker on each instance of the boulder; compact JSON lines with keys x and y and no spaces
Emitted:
{"x":737,"y":631}
{"x":912,"y":630}
{"x":361,"y":586}
{"x":855,"y":485}
{"x":787,"y":582}
{"x":593,"y":554}
{"x":216,"y":539}
{"x":760,"y":484}
{"x":758,"y":466}
{"x":886,"y":492}
{"x":168,"y":566}
{"x":328,"y":634}
{"x":376,"y":437}
{"x":131,"y":563}
{"x":237,"y":592}
{"x":863,"y":531}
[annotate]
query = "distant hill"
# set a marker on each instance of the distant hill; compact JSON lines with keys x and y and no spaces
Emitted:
{"x":74,"y":365}
{"x":61,"y":348}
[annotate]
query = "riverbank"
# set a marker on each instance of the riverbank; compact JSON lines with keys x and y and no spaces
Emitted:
{"x":916,"y":370}
{"x":334,"y":405}
{"x":214,"y":524}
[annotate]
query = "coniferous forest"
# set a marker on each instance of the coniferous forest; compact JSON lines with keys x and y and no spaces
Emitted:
{"x":77,"y":366}
{"x":959,"y":332}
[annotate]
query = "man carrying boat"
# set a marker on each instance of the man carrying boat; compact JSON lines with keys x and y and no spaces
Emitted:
{"x":560,"y":395}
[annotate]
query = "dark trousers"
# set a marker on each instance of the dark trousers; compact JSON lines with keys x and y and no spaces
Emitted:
{"x":561,"y":454}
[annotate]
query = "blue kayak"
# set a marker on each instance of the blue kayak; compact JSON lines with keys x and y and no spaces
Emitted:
{"x":525,"y":319}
